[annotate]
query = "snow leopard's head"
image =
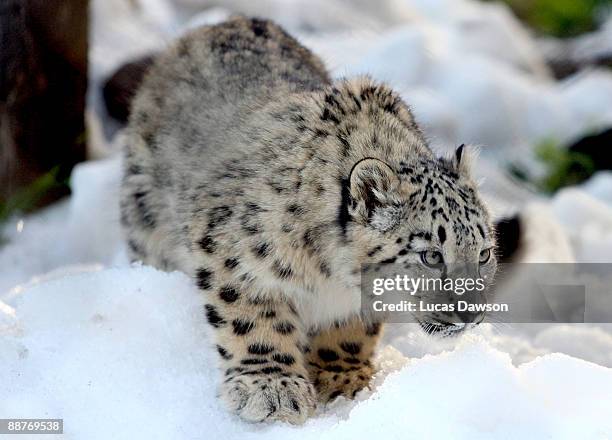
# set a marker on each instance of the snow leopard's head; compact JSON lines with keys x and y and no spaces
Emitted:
{"x":425,"y":217}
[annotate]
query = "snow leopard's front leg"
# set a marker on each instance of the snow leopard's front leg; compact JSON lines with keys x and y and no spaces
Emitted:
{"x":260,"y":343}
{"x":340,"y":358}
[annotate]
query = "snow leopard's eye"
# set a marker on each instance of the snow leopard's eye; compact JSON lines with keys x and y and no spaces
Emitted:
{"x":485,"y":255}
{"x":432,"y":258}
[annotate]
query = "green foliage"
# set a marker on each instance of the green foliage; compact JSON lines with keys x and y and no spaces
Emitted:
{"x":560,"y":18}
{"x":564,"y":167}
{"x":27,"y":198}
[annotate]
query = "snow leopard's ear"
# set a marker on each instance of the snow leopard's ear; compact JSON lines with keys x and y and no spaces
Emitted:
{"x":463,"y":159}
{"x":372,"y":184}
{"x":459,"y":154}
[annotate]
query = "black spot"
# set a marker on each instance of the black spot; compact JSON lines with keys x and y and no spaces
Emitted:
{"x":249,"y":228}
{"x":390,"y":108}
{"x":253,"y":361}
{"x":134,"y":169}
{"x":351,"y":347}
{"x":253,"y":207}
{"x":204,"y":277}
{"x":135,"y":248}
{"x":328,"y":355}
{"x":415,"y":235}
{"x":146,"y":217}
{"x":242,"y":327}
{"x":292,"y":309}
{"x":346,"y":146}
{"x":295,"y":209}
{"x":286,"y":228}
{"x":373,"y":329}
{"x":295,"y":405}
{"x":260,"y":28}
{"x":231,"y":263}
{"x":229,"y":294}
{"x":284,"y":358}
{"x":258,"y":301}
{"x":328,"y":116}
{"x":208,"y":244}
{"x":334,"y":368}
{"x":213,"y":316}
{"x":224,"y":353}
{"x":331,"y":99}
{"x":262,"y":250}
{"x":247,"y":278}
{"x":308,"y":238}
{"x":441,"y":234}
{"x":325,"y":270}
{"x":260,"y":349}
{"x":233,"y":370}
{"x":482,"y":234}
{"x":314,"y":364}
{"x":281,"y":270}
{"x":389,"y":260}
{"x":270,"y":314}
{"x":367,"y":92}
{"x":351,"y":360}
{"x":343,"y":210}
{"x":284,"y":327}
{"x":374,"y":251}
{"x":270,"y":370}
{"x":218,"y":215}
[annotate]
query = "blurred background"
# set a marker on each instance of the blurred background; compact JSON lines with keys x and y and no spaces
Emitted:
{"x":527,"y":81}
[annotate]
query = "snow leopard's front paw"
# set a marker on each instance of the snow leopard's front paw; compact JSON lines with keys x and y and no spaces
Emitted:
{"x":258,"y":397}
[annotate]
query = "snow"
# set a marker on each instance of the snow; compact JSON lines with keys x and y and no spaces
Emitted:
{"x":121,"y":351}
{"x":592,"y":344}
{"x":468,"y":55}
{"x":586,"y":220}
{"x":599,"y":186}
{"x":83,"y":231}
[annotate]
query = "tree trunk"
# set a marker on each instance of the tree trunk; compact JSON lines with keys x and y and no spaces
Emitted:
{"x":43,"y":82}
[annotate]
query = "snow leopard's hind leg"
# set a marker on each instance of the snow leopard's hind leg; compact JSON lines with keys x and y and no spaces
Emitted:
{"x":339,"y":358}
{"x":143,"y":213}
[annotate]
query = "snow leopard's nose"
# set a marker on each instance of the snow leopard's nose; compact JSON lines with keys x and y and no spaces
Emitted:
{"x":468,"y":317}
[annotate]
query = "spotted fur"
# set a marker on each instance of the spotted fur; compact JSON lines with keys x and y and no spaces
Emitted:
{"x":249,"y":169}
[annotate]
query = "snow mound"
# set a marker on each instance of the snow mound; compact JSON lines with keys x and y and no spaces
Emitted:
{"x":123,"y":353}
{"x":84,"y":230}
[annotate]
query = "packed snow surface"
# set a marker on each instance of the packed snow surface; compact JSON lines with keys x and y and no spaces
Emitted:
{"x":123,"y":354}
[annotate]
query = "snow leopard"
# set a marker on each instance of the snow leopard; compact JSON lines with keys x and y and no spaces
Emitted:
{"x":270,"y":184}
